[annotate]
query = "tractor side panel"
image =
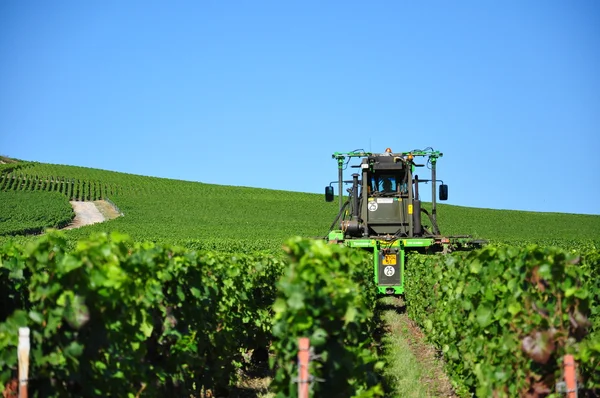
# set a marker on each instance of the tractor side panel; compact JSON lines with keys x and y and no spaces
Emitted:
{"x":387,"y":215}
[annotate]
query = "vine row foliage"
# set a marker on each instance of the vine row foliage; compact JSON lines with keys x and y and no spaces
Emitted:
{"x":505,"y":316}
{"x":114,"y":318}
{"x":74,"y":189}
{"x":327,"y":294}
{"x":31,"y":212}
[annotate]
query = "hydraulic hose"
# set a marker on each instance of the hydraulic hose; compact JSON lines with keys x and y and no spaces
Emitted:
{"x":337,"y":218}
{"x":436,"y":230}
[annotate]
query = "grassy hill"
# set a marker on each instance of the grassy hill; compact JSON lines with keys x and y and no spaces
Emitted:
{"x":199,"y":215}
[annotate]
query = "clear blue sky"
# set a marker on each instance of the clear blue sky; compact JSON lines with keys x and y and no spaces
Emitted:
{"x":261,"y":93}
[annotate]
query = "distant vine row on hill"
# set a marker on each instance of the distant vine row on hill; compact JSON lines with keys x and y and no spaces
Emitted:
{"x":72,"y":181}
{"x":30,"y":212}
{"x":74,"y":189}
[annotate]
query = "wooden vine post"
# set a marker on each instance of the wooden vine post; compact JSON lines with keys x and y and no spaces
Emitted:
{"x":303,"y":361}
{"x":23,"y":356}
{"x":569,"y":375}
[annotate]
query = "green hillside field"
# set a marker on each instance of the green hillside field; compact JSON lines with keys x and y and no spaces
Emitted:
{"x":230,"y":218}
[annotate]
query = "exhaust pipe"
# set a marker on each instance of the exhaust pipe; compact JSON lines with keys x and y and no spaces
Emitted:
{"x":418,"y":228}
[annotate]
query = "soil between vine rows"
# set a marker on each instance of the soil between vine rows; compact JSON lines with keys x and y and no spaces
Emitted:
{"x":418,"y":373}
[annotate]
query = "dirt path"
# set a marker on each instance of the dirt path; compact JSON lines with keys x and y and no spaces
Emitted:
{"x":87,"y":213}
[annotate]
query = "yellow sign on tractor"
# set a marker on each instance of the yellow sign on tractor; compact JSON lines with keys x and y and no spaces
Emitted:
{"x":389,"y":259}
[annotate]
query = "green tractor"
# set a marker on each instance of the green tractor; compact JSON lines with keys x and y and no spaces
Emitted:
{"x":383,"y":212}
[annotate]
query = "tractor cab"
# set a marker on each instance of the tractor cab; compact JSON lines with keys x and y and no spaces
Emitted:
{"x":384,"y":199}
{"x":385,"y":179}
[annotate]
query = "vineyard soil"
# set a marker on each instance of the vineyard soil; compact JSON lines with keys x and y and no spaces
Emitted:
{"x":415,"y":368}
{"x":87,"y":213}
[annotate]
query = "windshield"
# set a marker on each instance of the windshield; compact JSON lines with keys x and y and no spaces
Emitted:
{"x":386,"y":184}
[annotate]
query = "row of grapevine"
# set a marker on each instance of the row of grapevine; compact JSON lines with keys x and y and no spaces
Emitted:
{"x":328,"y":295}
{"x":73,"y":188}
{"x":505,"y":316}
{"x":171,"y":322}
{"x":30,"y":212}
{"x":10,"y":165}
{"x":129,"y":181}
{"x":112,"y":318}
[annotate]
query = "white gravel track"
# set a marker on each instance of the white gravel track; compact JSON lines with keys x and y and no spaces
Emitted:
{"x":86,"y":213}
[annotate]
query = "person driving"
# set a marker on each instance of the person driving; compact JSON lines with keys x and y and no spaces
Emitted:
{"x":387,"y":185}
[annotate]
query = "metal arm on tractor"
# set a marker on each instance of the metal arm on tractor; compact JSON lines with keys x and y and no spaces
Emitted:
{"x":341,"y":159}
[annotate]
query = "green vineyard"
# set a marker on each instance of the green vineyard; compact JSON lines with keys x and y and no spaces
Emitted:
{"x":198,"y":215}
{"x":29,"y":212}
{"x":72,"y":188}
{"x":197,"y":283}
